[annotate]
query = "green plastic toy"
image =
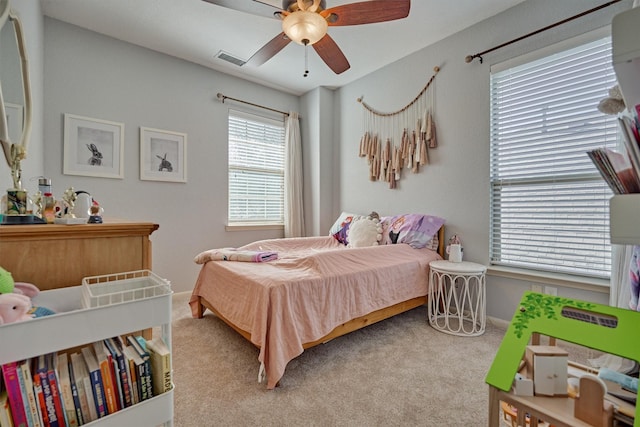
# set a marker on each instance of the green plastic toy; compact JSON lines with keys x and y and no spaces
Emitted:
{"x":608,"y":329}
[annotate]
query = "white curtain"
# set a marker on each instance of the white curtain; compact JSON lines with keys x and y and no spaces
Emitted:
{"x":619,"y":293}
{"x":293,"y":204}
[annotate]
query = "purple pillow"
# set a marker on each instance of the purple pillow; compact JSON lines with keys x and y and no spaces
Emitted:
{"x":416,"y":230}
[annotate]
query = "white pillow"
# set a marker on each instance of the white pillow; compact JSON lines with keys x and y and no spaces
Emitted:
{"x":364,"y":232}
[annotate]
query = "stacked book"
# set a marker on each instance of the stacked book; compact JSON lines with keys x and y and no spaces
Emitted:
{"x":621,"y":171}
{"x":69,"y":389}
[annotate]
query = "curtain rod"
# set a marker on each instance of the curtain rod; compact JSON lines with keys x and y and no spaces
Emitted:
{"x":470,"y":58}
{"x":222,"y":98}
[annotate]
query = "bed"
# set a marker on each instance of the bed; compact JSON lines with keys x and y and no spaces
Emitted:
{"x":317,"y":289}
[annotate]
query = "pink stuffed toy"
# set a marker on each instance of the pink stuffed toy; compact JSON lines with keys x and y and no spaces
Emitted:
{"x":14,"y":308}
{"x":15,"y":299}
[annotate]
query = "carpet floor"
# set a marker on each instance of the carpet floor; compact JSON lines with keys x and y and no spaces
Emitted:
{"x":398,"y":372}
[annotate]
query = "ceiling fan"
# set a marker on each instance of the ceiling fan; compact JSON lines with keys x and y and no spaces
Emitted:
{"x":306,"y":22}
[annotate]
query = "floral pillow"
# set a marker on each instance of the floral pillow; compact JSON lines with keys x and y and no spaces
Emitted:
{"x":340,"y":229}
{"x":416,"y":230}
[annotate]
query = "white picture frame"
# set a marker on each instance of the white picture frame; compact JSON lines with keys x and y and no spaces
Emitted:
{"x":93,"y":147}
{"x":14,"y":115}
{"x":163,"y":155}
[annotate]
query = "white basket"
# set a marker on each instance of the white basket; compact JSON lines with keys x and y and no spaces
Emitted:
{"x":98,"y":291}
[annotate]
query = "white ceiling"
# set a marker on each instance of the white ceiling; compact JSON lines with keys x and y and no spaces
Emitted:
{"x":196,"y":31}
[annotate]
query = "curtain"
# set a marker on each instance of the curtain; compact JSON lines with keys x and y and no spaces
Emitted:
{"x":619,"y":293}
{"x":293,"y":204}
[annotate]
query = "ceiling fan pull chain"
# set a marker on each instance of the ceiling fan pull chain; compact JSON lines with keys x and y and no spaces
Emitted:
{"x":306,"y":60}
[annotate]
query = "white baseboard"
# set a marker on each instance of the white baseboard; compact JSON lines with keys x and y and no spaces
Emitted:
{"x":499,"y":323}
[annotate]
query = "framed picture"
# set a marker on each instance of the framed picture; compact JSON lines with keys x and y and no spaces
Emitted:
{"x":14,"y":121}
{"x":163,"y":155}
{"x":93,"y":147}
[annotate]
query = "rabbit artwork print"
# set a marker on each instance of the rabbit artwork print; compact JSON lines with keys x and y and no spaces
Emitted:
{"x":96,"y":155}
{"x":164,"y":164}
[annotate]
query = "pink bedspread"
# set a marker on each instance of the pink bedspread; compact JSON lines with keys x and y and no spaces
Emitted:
{"x":315,"y":285}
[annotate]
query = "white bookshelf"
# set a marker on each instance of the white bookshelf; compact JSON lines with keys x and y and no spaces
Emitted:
{"x":626,"y":63}
{"x":74,"y":326}
{"x":624,"y":209}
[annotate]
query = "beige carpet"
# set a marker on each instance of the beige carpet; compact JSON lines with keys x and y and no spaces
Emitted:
{"x":399,"y":372}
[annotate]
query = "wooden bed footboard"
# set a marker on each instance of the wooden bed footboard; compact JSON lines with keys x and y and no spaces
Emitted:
{"x":338,"y":331}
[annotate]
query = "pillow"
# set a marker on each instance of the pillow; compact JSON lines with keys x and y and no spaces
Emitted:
{"x":416,"y":230}
{"x":340,"y":228}
{"x":365,"y":232}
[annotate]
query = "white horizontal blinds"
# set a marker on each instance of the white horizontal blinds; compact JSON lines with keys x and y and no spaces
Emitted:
{"x":256,"y":169}
{"x":549,"y":205}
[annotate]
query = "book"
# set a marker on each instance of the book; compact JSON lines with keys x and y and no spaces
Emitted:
{"x":75,"y":396}
{"x":160,"y":365}
{"x":601,"y":160}
{"x":5,"y":410}
{"x":85,"y":390}
{"x":32,"y":407}
{"x":114,"y":345}
{"x":41,"y":389}
{"x":23,"y":390}
{"x":95,"y":376}
{"x":106,"y":368}
{"x":624,"y":171}
{"x":12,"y":384}
{"x":64,"y":384}
{"x":631,"y":139}
{"x":54,"y":387}
{"x":136,"y":369}
{"x":37,"y":391}
{"x":146,"y":386}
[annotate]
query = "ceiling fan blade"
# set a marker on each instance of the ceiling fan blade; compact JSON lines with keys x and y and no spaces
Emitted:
{"x":254,"y":7}
{"x":267,"y":51}
{"x":331,"y":54}
{"x":367,"y":12}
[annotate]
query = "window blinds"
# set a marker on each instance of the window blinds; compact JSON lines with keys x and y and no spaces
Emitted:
{"x":549,"y":205}
{"x":256,"y":169}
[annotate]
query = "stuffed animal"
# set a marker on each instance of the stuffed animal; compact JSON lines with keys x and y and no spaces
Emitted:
{"x":15,"y":300}
{"x":14,"y":308}
{"x":7,"y":285}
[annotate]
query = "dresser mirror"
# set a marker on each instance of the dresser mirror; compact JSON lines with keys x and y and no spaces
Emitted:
{"x":15,"y":93}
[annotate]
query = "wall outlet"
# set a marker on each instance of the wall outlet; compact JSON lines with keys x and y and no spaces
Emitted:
{"x":537,"y":288}
{"x":550,"y":290}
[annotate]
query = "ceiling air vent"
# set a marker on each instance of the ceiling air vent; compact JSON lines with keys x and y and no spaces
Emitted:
{"x":230,"y":58}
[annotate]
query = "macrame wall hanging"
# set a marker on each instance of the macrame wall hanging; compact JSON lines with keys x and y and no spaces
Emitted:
{"x":399,"y":141}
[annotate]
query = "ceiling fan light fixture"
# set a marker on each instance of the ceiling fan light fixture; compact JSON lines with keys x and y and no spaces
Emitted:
{"x":304,"y":27}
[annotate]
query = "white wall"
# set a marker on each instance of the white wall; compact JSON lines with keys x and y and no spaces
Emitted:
{"x":99,"y":77}
{"x":456,"y":183}
{"x":96,"y":76}
{"x":318,"y":138}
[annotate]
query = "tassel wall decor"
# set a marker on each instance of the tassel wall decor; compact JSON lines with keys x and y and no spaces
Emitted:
{"x":401,"y":139}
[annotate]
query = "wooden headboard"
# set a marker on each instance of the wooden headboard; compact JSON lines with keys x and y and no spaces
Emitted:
{"x":441,"y":245}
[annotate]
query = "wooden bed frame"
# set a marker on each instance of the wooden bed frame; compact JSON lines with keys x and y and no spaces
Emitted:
{"x":347,"y":327}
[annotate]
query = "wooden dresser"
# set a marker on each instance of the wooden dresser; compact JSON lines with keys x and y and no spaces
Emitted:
{"x":53,"y":256}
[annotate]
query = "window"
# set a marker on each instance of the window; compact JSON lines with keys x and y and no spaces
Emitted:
{"x":256,"y":169}
{"x":549,"y":205}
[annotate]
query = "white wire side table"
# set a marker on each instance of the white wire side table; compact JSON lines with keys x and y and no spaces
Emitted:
{"x":457,"y":297}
